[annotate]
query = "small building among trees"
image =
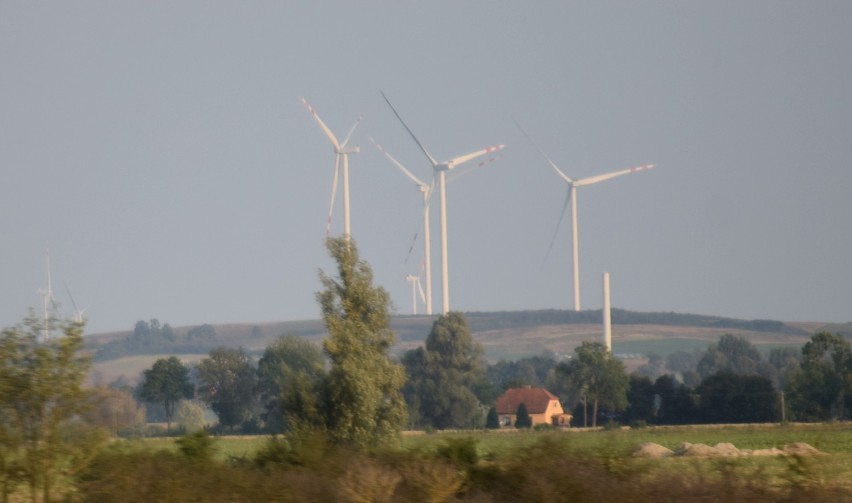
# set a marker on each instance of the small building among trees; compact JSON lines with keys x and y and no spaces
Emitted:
{"x":542,"y":406}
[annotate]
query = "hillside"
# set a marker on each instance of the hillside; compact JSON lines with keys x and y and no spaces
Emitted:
{"x":504,"y":335}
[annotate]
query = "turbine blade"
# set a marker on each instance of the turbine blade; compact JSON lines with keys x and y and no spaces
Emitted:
{"x":411,"y":246}
{"x":600,"y":178}
{"x":431,"y":159}
{"x":349,"y":134}
{"x":455,"y":175}
{"x":420,"y":289}
{"x":473,"y":155}
{"x":540,"y":151}
{"x":73,"y":304}
{"x":398,"y":164}
{"x":558,"y":225}
{"x":333,"y":194}
{"x":323,"y":126}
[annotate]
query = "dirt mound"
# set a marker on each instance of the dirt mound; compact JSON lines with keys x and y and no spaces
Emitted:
{"x":652,"y":450}
{"x":801,"y":448}
{"x":724,"y":449}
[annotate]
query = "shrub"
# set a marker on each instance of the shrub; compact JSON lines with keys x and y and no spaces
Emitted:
{"x":522,"y":417}
{"x":459,"y":451}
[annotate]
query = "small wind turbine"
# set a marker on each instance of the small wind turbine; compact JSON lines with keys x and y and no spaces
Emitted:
{"x":341,"y":153}
{"x":78,"y":313}
{"x":49,"y":301}
{"x":416,"y":288}
{"x":440,"y":169}
{"x":571,"y":197}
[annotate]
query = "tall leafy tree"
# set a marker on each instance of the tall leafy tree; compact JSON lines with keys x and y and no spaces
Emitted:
{"x":41,"y":396}
{"x":822,"y":387}
{"x":598,"y":376}
{"x":166,"y":382}
{"x":444,"y":375}
{"x":641,"y":398}
{"x":290,"y":374}
{"x":363,"y":405}
{"x":227,"y":380}
{"x":673,"y":401}
{"x":732,"y":398}
{"x":733,"y":355}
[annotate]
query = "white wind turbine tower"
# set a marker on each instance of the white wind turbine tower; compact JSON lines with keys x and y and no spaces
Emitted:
{"x":341,"y":156}
{"x":440,"y":169}
{"x":572,"y":198}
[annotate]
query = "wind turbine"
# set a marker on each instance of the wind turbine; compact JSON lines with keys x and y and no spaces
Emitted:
{"x":440,"y":169}
{"x":78,"y":313}
{"x":426,"y":190}
{"x":415,"y":288}
{"x":48,"y":298}
{"x":341,"y":153}
{"x":571,"y":197}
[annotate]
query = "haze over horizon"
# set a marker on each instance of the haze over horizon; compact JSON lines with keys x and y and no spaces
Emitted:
{"x":161,"y":151}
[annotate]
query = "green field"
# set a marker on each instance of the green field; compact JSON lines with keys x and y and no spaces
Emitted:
{"x":833,"y":467}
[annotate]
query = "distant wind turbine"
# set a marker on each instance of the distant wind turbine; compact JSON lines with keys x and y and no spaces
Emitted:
{"x":426,"y":190}
{"x":341,"y":153}
{"x":416,"y":288}
{"x":571,"y":197}
{"x":440,"y":169}
{"x":48,"y":298}
{"x":78,"y":313}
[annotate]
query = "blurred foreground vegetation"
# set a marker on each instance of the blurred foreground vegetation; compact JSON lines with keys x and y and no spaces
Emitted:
{"x":476,"y":466}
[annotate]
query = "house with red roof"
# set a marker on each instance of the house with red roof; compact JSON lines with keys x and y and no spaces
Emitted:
{"x":542,"y":406}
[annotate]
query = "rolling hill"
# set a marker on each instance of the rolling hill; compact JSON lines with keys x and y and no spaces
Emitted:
{"x":505,"y":335}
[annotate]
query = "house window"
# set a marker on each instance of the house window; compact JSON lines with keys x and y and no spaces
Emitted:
{"x":506,"y":421}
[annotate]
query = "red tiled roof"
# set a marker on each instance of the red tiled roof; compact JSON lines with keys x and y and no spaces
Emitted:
{"x":536,"y":400}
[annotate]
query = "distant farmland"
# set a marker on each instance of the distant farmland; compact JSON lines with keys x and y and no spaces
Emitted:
{"x":506,"y":335}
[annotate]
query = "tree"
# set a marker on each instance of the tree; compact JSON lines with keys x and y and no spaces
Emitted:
{"x":227,"y":380}
{"x":363,"y":405}
{"x":522,"y":417}
{"x":202,"y":333}
{"x":641,"y":398}
{"x":531,"y":371}
{"x":442,"y":376}
{"x":492,"y":419}
{"x":290,"y":374}
{"x":822,"y":387}
{"x":732,"y":398}
{"x":673,"y":401}
{"x":190,"y":416}
{"x":598,"y":376}
{"x":114,"y":409}
{"x":734,"y":355}
{"x":166,"y":382}
{"x":785,"y":361}
{"x":41,"y":399}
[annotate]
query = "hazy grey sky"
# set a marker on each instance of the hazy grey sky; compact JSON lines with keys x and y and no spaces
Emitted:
{"x":162,"y":151}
